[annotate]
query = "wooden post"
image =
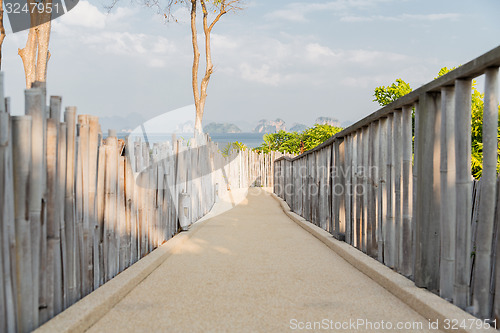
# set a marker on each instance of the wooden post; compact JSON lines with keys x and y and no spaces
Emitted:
{"x":7,"y":227}
{"x":390,"y":238}
{"x":382,"y":193}
{"x":100,"y":236}
{"x":342,"y":182}
{"x":53,"y":269}
{"x":35,"y":107}
{"x":61,"y":186}
{"x":398,"y":160}
{"x":354,"y":175}
{"x":464,"y":192}
{"x":26,"y":302}
{"x":82,"y":204}
{"x":367,"y":228}
{"x":483,"y":262}
{"x":92,"y":249}
{"x":416,"y":135}
{"x":448,"y":191}
{"x":69,"y":206}
{"x":427,"y":230}
{"x":405,"y":262}
{"x":373,"y":160}
{"x":348,"y":190}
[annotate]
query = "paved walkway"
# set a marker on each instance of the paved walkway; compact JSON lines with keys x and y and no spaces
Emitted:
{"x":252,"y":269}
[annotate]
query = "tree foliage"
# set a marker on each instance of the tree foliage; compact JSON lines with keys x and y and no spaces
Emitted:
{"x":386,"y":95}
{"x":297,"y":142}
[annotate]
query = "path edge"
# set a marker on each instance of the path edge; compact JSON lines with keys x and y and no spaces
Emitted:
{"x":89,"y":310}
{"x":427,"y":304}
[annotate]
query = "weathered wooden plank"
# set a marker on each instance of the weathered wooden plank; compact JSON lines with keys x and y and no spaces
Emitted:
{"x":464,"y":192}
{"x":69,"y":206}
{"x":348,"y":190}
{"x":382,"y":195}
{"x":35,"y":107}
{"x":448,"y":198}
{"x":26,"y":302}
{"x":7,"y":225}
{"x":483,"y":262}
{"x":405,"y":261}
{"x":53,"y":269}
{"x":61,"y":189}
{"x":398,"y":160}
{"x":427,"y":230}
{"x":390,"y":238}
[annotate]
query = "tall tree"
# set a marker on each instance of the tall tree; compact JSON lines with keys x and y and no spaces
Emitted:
{"x":200,"y":93}
{"x":35,"y":55}
{"x":219,"y":8}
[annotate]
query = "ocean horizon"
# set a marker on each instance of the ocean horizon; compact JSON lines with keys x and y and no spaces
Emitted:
{"x":251,"y":140}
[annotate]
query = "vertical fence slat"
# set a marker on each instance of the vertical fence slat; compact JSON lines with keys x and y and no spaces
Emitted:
{"x":483,"y":262}
{"x":464,"y":192}
{"x":27,"y":320}
{"x":448,"y":199}
{"x":405,"y":263}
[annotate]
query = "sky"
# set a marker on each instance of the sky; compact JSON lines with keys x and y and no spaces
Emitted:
{"x":274,"y":59}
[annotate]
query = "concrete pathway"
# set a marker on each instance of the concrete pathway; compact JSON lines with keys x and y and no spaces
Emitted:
{"x":252,"y":269}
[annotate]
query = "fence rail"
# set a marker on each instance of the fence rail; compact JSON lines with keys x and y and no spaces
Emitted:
{"x":76,"y":208}
{"x":413,"y":205}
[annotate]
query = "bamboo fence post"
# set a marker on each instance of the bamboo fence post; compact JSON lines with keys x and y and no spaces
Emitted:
{"x":130,"y":212}
{"x":110,"y":205}
{"x":464,"y":192}
{"x":416,"y":134}
{"x":26,"y":302}
{"x":373,"y":186}
{"x":390,"y":238}
{"x":82,"y":207}
{"x":448,"y":198}
{"x":35,"y":107}
{"x":427,"y":230}
{"x":7,"y":226}
{"x":382,"y":192}
{"x":123,"y":229}
{"x":100,"y":235}
{"x":69,"y":206}
{"x":354,"y":174}
{"x":4,"y":259}
{"x":334,"y":152}
{"x":405,"y":261}
{"x":61,"y":186}
{"x":41,"y":265}
{"x":365,"y":222}
{"x":92,"y":249}
{"x":360,"y":191}
{"x":348,"y":191}
{"x":485,"y":230}
{"x":53,"y":270}
{"x":398,"y":160}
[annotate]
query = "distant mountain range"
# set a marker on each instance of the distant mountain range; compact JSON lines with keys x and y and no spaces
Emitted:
{"x":133,"y":120}
{"x":221,"y":128}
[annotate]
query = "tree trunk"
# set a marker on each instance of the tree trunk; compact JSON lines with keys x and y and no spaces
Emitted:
{"x":196,"y":64}
{"x":35,"y":55}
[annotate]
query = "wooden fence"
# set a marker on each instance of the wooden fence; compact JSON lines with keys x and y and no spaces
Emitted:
{"x":416,"y":209}
{"x":76,"y":208}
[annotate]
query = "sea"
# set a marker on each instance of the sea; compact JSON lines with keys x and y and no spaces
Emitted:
{"x":251,"y":140}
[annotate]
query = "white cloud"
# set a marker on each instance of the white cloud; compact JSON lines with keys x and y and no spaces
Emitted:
{"x":403,"y":17}
{"x":261,"y":74}
{"x":83,"y":15}
{"x":297,"y":11}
